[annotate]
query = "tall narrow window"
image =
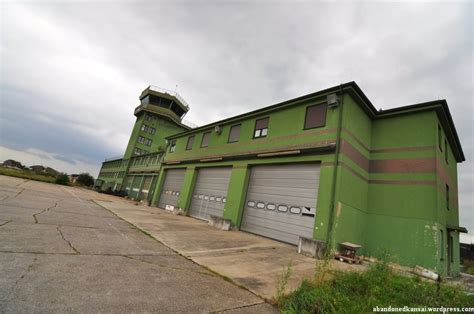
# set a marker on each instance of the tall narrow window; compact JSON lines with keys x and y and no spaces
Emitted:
{"x":205,"y":139}
{"x":189,"y":145}
{"x":440,"y":139}
{"x":261,"y":128}
{"x":446,"y":150}
{"x":315,"y":116}
{"x":451,"y":249}
{"x":447,"y":196}
{"x":234,"y":133}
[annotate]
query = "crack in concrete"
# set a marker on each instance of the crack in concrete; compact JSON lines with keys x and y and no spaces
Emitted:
{"x":18,"y":193}
{"x":44,"y":210}
{"x":84,"y":254}
{"x":62,"y":225}
{"x":168,"y":267}
{"x":238,"y":307}
{"x":19,"y":279}
{"x":3,"y":224}
{"x":67,"y":241}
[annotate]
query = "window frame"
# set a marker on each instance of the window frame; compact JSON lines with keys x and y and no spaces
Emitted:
{"x":230,"y":132}
{"x":208,"y":140}
{"x":190,"y":140}
{"x":255,"y":127}
{"x":306,"y":116}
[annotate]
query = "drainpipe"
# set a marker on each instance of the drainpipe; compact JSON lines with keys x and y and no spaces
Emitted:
{"x":332,"y":207}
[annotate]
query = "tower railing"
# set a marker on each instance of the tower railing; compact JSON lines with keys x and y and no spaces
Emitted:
{"x":169,"y":92}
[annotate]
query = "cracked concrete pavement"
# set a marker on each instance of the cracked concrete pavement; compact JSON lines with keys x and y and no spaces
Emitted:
{"x":59,"y":252}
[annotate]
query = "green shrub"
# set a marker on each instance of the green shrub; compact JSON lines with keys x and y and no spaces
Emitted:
{"x":85,"y":179}
{"x":62,"y":179}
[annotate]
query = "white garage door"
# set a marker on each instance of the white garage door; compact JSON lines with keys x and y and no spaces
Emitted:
{"x":210,"y":192}
{"x":281,"y":201}
{"x":171,"y":188}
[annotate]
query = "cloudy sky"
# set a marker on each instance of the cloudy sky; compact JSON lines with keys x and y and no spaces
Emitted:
{"x":71,"y":72}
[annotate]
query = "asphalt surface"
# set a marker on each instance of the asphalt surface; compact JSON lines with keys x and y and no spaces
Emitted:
{"x":61,"y":252}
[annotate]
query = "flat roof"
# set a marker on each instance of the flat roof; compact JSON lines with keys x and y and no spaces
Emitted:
{"x":440,"y":106}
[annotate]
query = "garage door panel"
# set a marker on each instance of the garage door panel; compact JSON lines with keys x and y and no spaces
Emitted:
{"x":291,"y":187}
{"x":171,"y":188}
{"x":279,"y":219}
{"x":209,"y":192}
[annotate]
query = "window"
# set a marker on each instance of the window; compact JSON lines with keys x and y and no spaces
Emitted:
{"x":315,"y":116}
{"x":138,"y":151}
{"x":447,"y":196}
{"x":147,"y":117}
{"x":234,"y":133}
{"x":205,"y":139}
{"x":144,"y":127}
{"x":446,"y":150}
{"x":141,"y":139}
{"x":173,"y":146}
{"x":148,"y":142}
{"x":152,"y":131}
{"x":189,"y":146}
{"x":440,"y":140}
{"x":261,"y":128}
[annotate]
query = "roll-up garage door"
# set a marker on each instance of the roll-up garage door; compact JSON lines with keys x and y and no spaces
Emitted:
{"x":171,"y":188}
{"x":281,"y":201}
{"x":146,"y":187}
{"x":210,"y":192}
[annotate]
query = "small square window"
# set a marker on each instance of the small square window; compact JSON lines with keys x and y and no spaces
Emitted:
{"x":205,"y":139}
{"x":152,"y":131}
{"x":190,"y":143}
{"x":315,"y":116}
{"x":234,"y":133}
{"x":261,"y":127}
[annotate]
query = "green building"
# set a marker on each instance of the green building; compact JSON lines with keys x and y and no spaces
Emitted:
{"x":326,"y":166}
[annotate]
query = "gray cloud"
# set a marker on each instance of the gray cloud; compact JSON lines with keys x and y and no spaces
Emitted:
{"x":72,"y":74}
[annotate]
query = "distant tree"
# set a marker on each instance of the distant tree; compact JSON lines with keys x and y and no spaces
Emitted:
{"x":85,"y":179}
{"x":62,"y":179}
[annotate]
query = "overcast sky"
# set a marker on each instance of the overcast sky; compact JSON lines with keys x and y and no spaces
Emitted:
{"x":71,"y":73}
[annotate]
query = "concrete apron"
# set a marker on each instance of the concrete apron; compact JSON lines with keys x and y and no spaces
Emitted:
{"x":253,"y":262}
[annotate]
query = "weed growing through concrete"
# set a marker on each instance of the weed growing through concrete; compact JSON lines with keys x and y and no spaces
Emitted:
{"x":283,"y":282}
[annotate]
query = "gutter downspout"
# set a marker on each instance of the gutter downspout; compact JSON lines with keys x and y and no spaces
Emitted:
{"x":332,"y":206}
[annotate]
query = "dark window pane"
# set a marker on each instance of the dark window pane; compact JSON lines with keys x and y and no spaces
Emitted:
{"x":261,"y":124}
{"x":315,"y":116}
{"x":205,"y":139}
{"x":190,"y":143}
{"x":234,"y":133}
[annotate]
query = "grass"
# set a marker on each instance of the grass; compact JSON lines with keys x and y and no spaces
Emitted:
{"x":26,"y":174}
{"x":468,"y":267}
{"x":353,"y":292}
